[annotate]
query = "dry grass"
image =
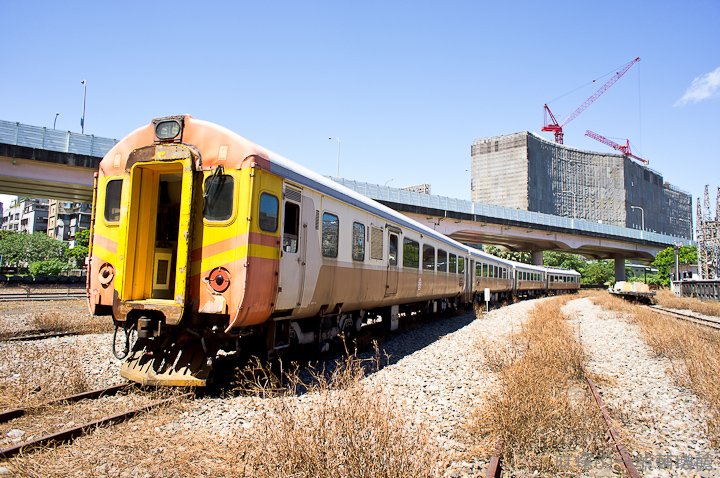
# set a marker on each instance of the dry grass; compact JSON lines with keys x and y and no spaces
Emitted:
{"x":23,"y":318}
{"x":338,"y":428}
{"x":543,"y":408}
{"x":666,"y":298}
{"x":34,"y":378}
{"x":692,"y":350}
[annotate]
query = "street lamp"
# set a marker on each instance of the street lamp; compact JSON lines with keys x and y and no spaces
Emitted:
{"x":642,"y":216}
{"x":338,"y":155}
{"x":82,"y":119}
{"x":55,"y":121}
{"x":574,"y":199}
{"x":388,"y":181}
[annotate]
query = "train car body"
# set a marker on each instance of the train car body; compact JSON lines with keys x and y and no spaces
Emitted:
{"x":203,"y":241}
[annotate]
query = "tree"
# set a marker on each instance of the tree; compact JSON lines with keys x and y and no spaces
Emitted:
{"x":598,"y":272}
{"x":20,"y":249}
{"x":516,"y":256}
{"x":564,"y":260}
{"x":80,"y":251}
{"x":665,"y":260}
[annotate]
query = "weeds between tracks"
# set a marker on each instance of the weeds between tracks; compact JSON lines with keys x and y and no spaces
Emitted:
{"x":666,"y":298}
{"x":692,"y":350}
{"x":542,"y":409}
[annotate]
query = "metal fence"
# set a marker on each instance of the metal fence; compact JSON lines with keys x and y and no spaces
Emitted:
{"x":385,"y":193}
{"x":19,"y":134}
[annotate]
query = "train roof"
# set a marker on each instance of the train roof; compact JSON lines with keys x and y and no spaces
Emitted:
{"x":211,"y":138}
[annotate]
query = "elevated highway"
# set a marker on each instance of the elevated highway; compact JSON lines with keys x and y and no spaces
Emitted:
{"x":475,"y":223}
{"x":47,"y":163}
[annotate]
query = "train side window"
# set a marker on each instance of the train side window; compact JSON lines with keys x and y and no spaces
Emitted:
{"x":453,"y":263}
{"x":330,"y":232}
{"x":428,"y":258}
{"x":358,"y":242}
{"x":112,"y":200}
{"x":411,"y":253}
{"x":461,"y":265}
{"x":393,"y":250}
{"x":268,"y":212}
{"x":291,"y":227}
{"x":478,"y":269}
{"x":441,"y":260}
{"x":485,"y":270}
{"x":218,"y":197}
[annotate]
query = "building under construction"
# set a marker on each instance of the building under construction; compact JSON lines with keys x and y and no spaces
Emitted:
{"x":524,"y":171}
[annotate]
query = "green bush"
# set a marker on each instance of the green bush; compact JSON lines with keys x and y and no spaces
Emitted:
{"x":50,"y":267}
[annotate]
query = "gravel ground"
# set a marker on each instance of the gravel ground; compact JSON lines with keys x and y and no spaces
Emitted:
{"x":435,"y":375}
{"x":664,"y":424}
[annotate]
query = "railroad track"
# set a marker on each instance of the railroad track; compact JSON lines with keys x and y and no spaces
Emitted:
{"x":24,"y":296}
{"x":36,"y":335}
{"x":495,"y":469}
{"x":69,"y":434}
{"x":715,"y":324}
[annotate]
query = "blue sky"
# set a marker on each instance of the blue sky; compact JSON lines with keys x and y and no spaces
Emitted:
{"x":407,"y":86}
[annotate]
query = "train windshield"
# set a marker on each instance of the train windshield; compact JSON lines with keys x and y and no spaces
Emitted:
{"x":218,"y":204}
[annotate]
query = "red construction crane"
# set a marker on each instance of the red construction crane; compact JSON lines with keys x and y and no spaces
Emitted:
{"x":623,"y":149}
{"x":556,"y":128}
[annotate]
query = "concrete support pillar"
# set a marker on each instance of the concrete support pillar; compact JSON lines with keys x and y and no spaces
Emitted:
{"x":537,"y":258}
{"x":619,"y":267}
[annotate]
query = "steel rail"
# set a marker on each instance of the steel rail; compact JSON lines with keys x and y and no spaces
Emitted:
{"x":69,"y":434}
{"x":715,"y":324}
{"x":37,"y":336}
{"x":17,"y":296}
{"x":12,"y":413}
{"x":622,"y":451}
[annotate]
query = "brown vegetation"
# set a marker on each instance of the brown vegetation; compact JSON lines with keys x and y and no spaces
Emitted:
{"x":543,"y":409}
{"x":338,"y":427}
{"x":667,"y":299}
{"x":692,"y":349}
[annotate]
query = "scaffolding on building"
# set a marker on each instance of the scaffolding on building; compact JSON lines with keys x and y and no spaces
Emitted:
{"x":708,"y":237}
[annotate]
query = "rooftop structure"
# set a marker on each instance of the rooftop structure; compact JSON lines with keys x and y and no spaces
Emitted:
{"x":524,"y":171}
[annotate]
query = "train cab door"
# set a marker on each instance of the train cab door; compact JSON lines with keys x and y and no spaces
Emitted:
{"x":391,"y":284}
{"x":294,"y":249}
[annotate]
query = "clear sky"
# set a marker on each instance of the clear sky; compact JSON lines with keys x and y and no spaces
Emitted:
{"x":406,"y":86}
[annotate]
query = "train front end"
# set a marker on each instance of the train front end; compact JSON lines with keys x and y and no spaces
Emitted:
{"x":175,"y":257}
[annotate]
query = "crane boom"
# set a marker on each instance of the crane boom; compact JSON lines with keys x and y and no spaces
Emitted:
{"x":558,"y":128}
{"x":623,"y":149}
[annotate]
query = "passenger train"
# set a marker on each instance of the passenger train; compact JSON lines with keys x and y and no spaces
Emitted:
{"x":204,"y":242}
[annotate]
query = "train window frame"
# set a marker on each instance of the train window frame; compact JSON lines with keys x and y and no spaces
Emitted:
{"x":219,"y":221}
{"x":452,"y":263}
{"x":461,"y":265}
{"x":409,"y":260}
{"x":328,"y":247}
{"x":443,"y":262}
{"x":358,"y":241}
{"x":393,"y":249}
{"x":112,"y":220}
{"x":429,"y":253}
{"x":263,"y":216}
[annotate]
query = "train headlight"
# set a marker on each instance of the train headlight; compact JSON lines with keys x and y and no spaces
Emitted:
{"x":219,"y":279}
{"x":169,"y":128}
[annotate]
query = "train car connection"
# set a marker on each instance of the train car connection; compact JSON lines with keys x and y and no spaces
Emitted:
{"x":203,"y":241}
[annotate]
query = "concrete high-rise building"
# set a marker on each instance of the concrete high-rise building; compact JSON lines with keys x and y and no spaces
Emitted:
{"x":524,"y":171}
{"x":65,"y":219}
{"x":26,"y":215}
